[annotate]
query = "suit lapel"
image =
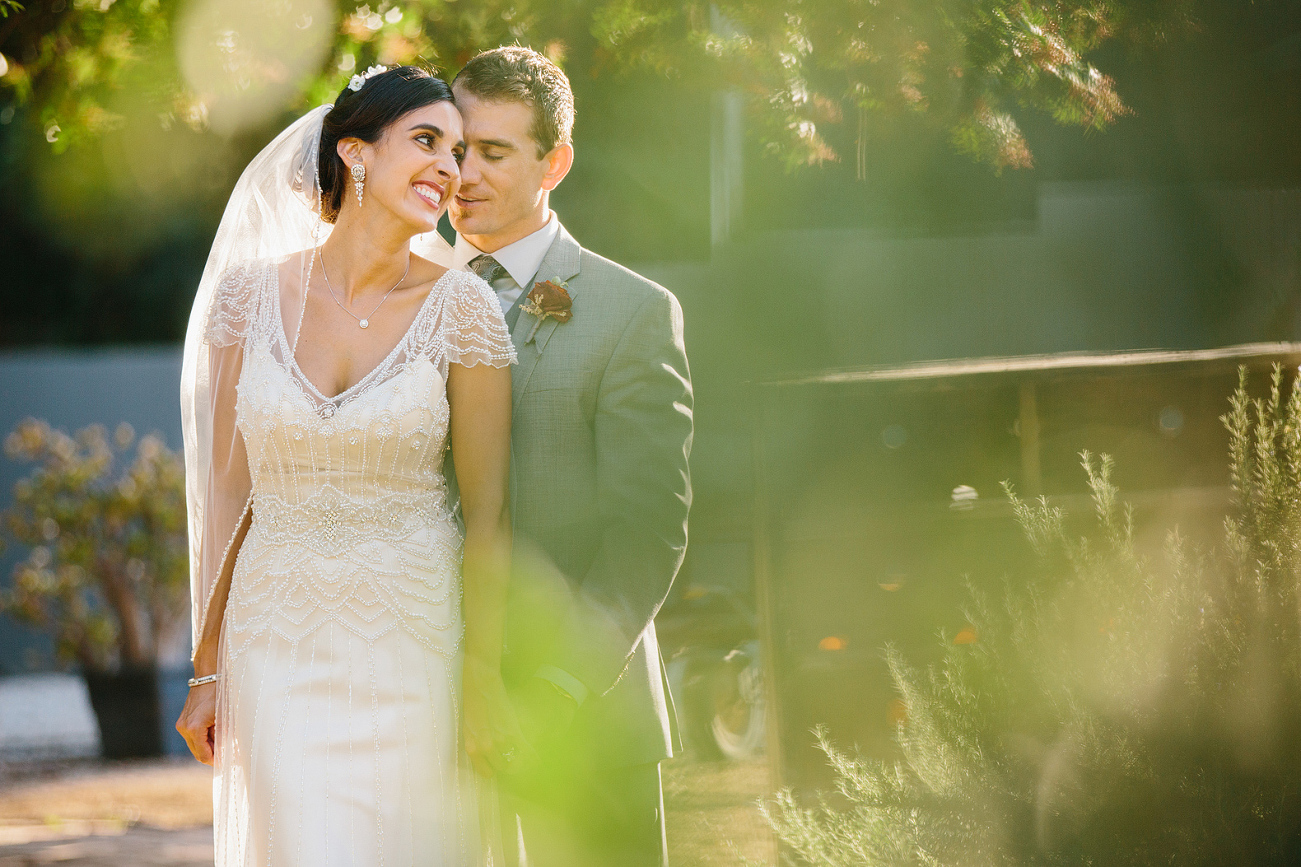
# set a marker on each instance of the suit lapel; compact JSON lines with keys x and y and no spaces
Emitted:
{"x":512,"y":315}
{"x":560,"y":264}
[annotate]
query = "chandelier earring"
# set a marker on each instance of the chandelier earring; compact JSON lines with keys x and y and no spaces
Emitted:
{"x":358,"y":180}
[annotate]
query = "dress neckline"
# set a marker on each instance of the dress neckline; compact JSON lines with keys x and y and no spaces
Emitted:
{"x":291,"y":361}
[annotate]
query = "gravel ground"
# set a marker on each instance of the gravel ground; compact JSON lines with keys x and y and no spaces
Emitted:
{"x":159,"y":814}
{"x":143,"y":846}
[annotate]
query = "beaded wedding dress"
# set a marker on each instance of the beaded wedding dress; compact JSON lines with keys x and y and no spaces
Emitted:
{"x":337,"y":728}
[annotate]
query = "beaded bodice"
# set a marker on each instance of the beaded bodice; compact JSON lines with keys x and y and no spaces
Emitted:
{"x":351,"y":520}
{"x":370,"y":468}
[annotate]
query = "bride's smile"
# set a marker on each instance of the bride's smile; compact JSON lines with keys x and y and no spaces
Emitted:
{"x":431,"y":193}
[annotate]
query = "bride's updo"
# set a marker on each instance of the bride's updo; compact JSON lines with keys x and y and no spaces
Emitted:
{"x":365,"y":114}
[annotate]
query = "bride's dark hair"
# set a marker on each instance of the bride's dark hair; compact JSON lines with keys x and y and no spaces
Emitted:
{"x":365,"y":114}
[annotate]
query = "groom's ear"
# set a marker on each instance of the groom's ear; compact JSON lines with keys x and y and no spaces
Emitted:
{"x":559,"y":161}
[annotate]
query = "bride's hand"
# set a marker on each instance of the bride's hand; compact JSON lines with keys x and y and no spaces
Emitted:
{"x":198,"y":721}
{"x":493,"y":739}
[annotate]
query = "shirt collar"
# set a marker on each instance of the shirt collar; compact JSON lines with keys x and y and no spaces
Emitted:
{"x":521,"y":259}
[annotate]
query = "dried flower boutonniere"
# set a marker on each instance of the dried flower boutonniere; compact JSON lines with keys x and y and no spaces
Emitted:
{"x":547,"y":299}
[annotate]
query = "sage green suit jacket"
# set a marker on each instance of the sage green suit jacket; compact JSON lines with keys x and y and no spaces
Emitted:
{"x":600,"y":487}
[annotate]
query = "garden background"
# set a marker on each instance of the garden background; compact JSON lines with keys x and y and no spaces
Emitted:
{"x":826,"y":185}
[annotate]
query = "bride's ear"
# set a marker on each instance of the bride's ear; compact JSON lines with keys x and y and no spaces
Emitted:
{"x":350,"y":150}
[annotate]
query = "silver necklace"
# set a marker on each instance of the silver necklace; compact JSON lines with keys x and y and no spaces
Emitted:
{"x":364,"y":323}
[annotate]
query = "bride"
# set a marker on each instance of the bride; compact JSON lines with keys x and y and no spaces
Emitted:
{"x":347,"y":637}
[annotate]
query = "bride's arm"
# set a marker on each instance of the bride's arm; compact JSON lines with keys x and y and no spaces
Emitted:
{"x":226,"y":519}
{"x":198,"y":720}
{"x":479,"y":399}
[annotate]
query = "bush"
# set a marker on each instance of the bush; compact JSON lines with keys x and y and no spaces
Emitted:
{"x":107,"y":567}
{"x":1115,"y":709}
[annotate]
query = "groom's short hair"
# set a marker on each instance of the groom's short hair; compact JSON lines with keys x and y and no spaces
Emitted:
{"x":514,"y":73}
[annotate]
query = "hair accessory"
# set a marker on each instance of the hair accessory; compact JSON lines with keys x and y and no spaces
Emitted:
{"x":358,"y":180}
{"x":358,"y":81}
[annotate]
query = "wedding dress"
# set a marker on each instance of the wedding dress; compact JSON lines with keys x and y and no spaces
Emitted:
{"x":337,"y":728}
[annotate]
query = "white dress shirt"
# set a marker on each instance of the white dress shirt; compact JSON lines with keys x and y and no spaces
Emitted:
{"x":520,"y":259}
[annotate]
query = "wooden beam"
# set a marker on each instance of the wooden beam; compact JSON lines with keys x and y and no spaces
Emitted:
{"x":1287,"y":353}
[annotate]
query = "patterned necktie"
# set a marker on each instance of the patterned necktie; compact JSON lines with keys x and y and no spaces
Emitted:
{"x":488,"y":268}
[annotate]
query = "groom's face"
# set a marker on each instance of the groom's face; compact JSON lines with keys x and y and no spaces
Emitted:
{"x":503,"y":180}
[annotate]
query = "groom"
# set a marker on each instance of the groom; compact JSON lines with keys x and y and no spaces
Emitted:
{"x":599,"y":478}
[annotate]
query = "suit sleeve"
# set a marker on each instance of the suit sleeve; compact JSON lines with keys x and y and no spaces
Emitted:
{"x":643,"y":431}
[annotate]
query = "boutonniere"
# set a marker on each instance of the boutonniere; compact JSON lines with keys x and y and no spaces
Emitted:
{"x":548,"y":299}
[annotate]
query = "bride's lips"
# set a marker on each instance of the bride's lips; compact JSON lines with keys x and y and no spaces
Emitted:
{"x":431,"y":193}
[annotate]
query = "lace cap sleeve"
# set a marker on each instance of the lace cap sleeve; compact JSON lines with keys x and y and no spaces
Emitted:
{"x":233,"y":301}
{"x":475,"y":330}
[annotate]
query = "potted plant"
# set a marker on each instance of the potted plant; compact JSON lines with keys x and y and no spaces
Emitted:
{"x":106,"y":567}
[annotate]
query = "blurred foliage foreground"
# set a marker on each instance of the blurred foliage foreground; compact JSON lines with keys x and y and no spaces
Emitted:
{"x":806,"y":66}
{"x":1115,"y":709}
{"x":107,"y":568}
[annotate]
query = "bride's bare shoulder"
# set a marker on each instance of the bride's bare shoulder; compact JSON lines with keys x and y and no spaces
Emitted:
{"x":293,"y":269}
{"x":426,"y":272}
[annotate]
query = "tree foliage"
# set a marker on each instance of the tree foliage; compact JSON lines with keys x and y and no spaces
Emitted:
{"x":970,"y":66}
{"x":1116,"y":708}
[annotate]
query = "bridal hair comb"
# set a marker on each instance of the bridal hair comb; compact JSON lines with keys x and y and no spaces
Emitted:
{"x":357,"y":81}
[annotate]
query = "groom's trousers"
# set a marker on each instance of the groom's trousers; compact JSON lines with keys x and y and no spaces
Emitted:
{"x":571,"y":815}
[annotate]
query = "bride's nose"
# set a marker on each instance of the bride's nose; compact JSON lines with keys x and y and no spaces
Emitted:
{"x":447,"y":167}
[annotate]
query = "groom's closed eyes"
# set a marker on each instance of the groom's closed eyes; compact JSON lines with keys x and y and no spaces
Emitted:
{"x":494,"y":149}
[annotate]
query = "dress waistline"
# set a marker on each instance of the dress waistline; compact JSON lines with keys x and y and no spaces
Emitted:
{"x":335,"y":518}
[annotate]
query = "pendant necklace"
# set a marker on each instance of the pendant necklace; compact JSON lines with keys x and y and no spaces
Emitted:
{"x":364,"y":323}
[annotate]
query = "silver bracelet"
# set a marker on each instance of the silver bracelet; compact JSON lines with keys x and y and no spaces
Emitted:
{"x":200,"y":681}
